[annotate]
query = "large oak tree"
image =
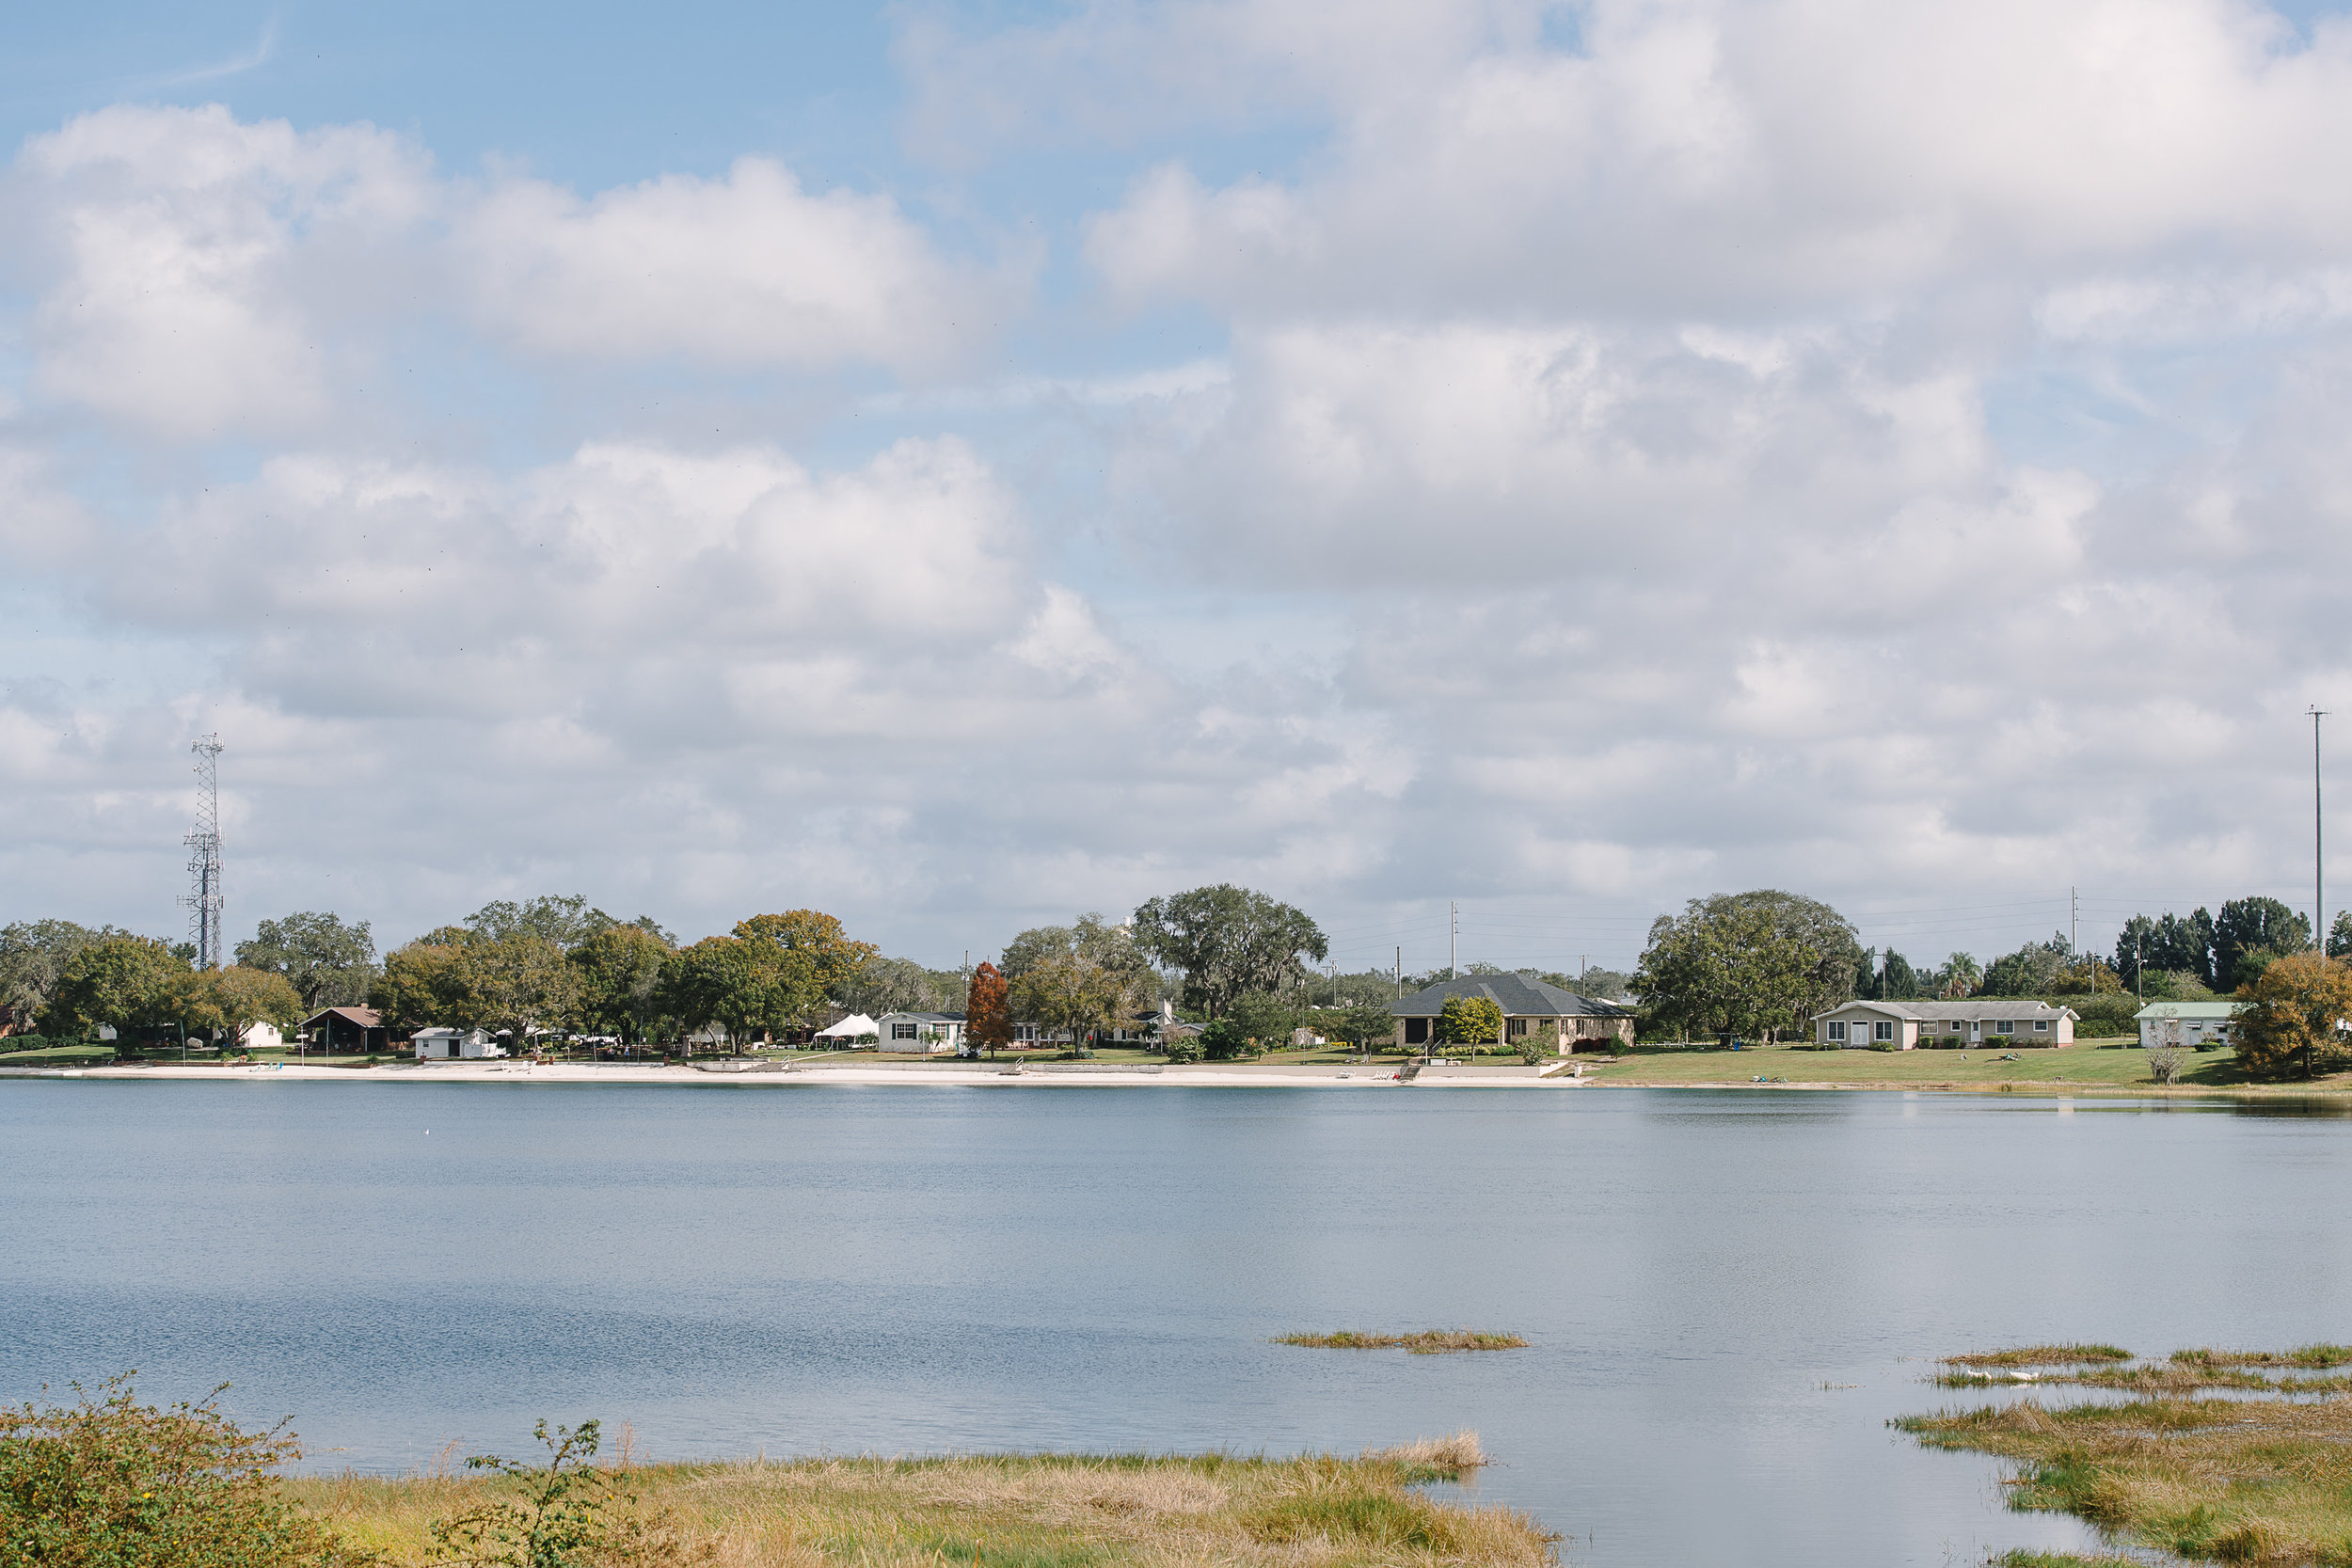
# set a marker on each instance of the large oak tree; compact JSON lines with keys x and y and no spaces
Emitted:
{"x":1228,"y":940}
{"x":1748,"y":962}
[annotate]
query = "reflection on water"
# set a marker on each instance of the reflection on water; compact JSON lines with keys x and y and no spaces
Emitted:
{"x":1729,"y":1292}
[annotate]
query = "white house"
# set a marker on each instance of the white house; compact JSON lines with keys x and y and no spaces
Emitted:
{"x":1980,"y":1020}
{"x":443,"y":1043}
{"x":935,"y":1034}
{"x":259,"y":1036}
{"x":2202,"y":1023}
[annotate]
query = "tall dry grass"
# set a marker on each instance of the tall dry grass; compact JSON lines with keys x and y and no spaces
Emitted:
{"x":1018,"y":1511}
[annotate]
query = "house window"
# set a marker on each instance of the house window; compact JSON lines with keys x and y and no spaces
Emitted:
{"x":902,"y":1031}
{"x":2005,"y":1026}
{"x":1837,"y":1032}
{"x":1882,"y":1030}
{"x":1518,"y":1027}
{"x":1955,"y":1027}
{"x":2043,"y":1025}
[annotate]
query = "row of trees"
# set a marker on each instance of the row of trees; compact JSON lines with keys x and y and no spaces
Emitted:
{"x":554,"y":964}
{"x":559,"y":963}
{"x":65,"y":978}
{"x":2172,"y":953}
{"x":137,"y":984}
{"x":2167,"y":957}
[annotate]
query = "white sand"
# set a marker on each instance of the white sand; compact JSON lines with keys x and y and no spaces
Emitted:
{"x":1032,"y":1075}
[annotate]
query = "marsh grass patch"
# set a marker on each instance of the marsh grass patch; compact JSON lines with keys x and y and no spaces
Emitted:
{"x":2041,"y":1356}
{"x":2263,"y":1475}
{"x":1426,"y":1342}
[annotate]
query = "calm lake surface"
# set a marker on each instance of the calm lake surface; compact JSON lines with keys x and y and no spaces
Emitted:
{"x":920,"y":1269}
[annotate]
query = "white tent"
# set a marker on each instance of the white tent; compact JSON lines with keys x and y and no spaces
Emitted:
{"x":855,"y":1027}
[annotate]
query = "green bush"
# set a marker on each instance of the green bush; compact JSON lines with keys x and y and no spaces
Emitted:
{"x":565,"y":1513}
{"x":109,"y":1483}
{"x":1182,"y":1047}
{"x":14,"y":1043}
{"x":1222,"y":1040}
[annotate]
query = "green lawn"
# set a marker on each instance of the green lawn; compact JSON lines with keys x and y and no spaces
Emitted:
{"x":71,"y":1056}
{"x":2084,"y":1063}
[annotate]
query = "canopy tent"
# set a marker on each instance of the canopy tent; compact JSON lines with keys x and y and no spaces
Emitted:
{"x":855,"y":1027}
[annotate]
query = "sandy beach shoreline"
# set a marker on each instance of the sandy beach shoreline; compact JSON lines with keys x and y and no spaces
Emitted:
{"x":1030,"y":1075}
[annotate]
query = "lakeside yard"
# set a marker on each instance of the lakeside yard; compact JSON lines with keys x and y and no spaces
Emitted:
{"x":2085,"y":1064}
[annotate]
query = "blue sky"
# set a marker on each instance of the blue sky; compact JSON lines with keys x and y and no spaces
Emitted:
{"x":958,"y":466}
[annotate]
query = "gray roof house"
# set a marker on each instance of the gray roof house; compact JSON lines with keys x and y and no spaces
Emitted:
{"x":2199,"y":1023}
{"x":1901,"y":1025}
{"x":1526,"y":1004}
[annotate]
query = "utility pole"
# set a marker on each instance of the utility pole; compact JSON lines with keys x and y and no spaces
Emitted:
{"x":2139,"y":972}
{"x":1400,"y":974}
{"x":2073,"y":920}
{"x":1453,"y":941}
{"x":2319,"y":886}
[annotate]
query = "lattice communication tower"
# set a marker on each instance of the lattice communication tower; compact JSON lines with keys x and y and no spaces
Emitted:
{"x":204,"y":899}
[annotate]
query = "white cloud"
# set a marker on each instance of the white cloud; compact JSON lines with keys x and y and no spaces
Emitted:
{"x":200,"y":277}
{"x":178,"y":252}
{"x":748,"y":270}
{"x":1373,"y":453}
{"x":1731,"y":156}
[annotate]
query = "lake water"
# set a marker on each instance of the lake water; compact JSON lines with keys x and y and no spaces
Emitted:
{"x":921,"y":1269}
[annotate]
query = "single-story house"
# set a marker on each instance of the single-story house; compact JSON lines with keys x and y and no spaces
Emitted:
{"x":1579,"y":1022}
{"x":2202,"y":1023}
{"x":850,"y":1030}
{"x":1905,"y":1024}
{"x":443,"y":1043}
{"x":347,"y":1029}
{"x":935,"y":1033}
{"x":260,"y":1035}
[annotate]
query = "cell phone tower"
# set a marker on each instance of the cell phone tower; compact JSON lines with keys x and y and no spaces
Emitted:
{"x":204,"y":899}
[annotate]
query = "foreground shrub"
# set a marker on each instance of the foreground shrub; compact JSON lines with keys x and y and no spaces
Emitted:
{"x":565,"y":1513}
{"x":109,"y":1482}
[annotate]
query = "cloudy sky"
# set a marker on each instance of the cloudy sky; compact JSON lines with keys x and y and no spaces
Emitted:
{"x":958,"y":466}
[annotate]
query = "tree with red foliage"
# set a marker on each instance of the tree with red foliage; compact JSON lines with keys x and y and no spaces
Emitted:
{"x":987,"y":1013}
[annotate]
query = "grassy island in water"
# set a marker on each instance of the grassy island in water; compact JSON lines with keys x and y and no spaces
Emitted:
{"x":2214,"y":1456}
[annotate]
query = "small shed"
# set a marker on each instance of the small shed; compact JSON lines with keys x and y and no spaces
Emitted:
{"x":442,"y":1043}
